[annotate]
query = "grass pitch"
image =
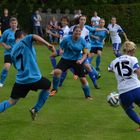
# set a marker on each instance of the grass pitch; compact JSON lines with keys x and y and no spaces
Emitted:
{"x":67,"y":116}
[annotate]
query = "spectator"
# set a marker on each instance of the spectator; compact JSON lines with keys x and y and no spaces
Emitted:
{"x":95,"y":18}
{"x":36,"y":18}
{"x":5,"y":21}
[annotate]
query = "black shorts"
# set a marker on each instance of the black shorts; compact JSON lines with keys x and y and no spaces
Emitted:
{"x":7,"y":59}
{"x":95,"y":49}
{"x":66,"y":64}
{"x":21,"y":90}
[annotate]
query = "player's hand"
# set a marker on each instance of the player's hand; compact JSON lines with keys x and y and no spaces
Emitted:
{"x":7,"y":47}
{"x":79,"y":61}
{"x":61,"y":51}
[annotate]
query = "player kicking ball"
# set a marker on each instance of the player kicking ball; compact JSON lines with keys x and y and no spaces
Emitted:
{"x":28,"y":75}
{"x":127,"y":71}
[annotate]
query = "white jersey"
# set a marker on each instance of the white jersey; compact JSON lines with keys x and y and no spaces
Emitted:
{"x":124,"y":68}
{"x":114,"y":33}
{"x":65,"y":30}
{"x":95,"y":20}
{"x":84,"y":32}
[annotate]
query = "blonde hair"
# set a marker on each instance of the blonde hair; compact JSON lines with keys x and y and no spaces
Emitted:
{"x":129,"y":46}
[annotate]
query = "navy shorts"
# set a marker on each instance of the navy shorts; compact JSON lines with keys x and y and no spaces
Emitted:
{"x":21,"y":90}
{"x":128,"y":98}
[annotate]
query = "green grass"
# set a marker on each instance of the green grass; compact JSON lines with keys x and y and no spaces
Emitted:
{"x":67,"y":116}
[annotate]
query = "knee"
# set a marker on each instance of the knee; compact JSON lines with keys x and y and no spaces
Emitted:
{"x":7,"y":66}
{"x":57,"y":72}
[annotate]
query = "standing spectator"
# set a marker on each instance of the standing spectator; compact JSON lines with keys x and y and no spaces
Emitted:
{"x":95,"y":18}
{"x":53,"y":27}
{"x":77,"y":14}
{"x":5,"y":21}
{"x":36,"y":18}
{"x":114,"y":30}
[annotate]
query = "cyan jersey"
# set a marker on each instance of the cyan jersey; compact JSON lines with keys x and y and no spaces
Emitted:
{"x":114,"y":33}
{"x":72,"y":49}
{"x":124,"y":68}
{"x":24,"y":60}
{"x":100,"y":41}
{"x":8,"y":37}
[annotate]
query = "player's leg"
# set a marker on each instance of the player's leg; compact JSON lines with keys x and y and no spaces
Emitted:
{"x":79,"y":68}
{"x":91,"y":73}
{"x":116,"y":49}
{"x":98,"y":59}
{"x":7,"y":104}
{"x":127,"y":99}
{"x":45,"y":85}
{"x":4,"y":73}
{"x":62,"y":66}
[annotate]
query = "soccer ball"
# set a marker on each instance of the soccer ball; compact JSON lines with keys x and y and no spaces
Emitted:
{"x":113,"y":99}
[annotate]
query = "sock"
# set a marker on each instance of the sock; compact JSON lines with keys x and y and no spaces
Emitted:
{"x":86,"y":90}
{"x":132,"y":115}
{"x":62,"y":78}
{"x":98,"y":61}
{"x":43,"y":96}
{"x":118,"y":53}
{"x":90,"y":59}
{"x":53,"y":61}
{"x":56,"y":82}
{"x":5,"y":105}
{"x":92,"y":77}
{"x":72,"y":70}
{"x":94,"y":70}
{"x":3,"y":75}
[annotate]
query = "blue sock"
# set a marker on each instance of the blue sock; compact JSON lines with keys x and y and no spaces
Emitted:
{"x":3,"y":75}
{"x":62,"y":78}
{"x":43,"y":96}
{"x":118,"y":53}
{"x":132,"y":114}
{"x":98,"y":61}
{"x":53,"y":61}
{"x":86,"y":90}
{"x":72,"y":70}
{"x":90,"y":59}
{"x":56,"y":82}
{"x":94,"y":70}
{"x":92,"y":77}
{"x":5,"y":105}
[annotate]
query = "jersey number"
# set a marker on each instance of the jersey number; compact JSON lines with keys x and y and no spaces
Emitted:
{"x":123,"y":65}
{"x":20,"y":57}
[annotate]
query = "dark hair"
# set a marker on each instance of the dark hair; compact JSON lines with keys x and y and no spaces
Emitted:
{"x":13,"y":19}
{"x":18,"y":33}
{"x":65,"y":17}
{"x":75,"y":27}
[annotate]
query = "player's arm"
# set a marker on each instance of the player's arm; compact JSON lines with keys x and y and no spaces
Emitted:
{"x":6,"y":46}
{"x":39,"y":39}
{"x":125,"y":36}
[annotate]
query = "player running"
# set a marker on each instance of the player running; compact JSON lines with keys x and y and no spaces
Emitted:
{"x":127,"y":71}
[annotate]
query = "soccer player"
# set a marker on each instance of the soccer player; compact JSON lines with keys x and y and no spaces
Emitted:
{"x":85,"y":35}
{"x":127,"y":71}
{"x":28,"y":75}
{"x":114,"y":30}
{"x":72,"y":58}
{"x":8,"y":40}
{"x":97,"y":42}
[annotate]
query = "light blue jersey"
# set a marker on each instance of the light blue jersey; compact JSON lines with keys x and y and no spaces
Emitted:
{"x":8,"y":37}
{"x":24,"y":59}
{"x":72,"y":49}
{"x":99,"y":42}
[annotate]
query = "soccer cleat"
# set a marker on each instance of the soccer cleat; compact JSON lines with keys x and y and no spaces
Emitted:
{"x":33,"y":114}
{"x":97,"y":68}
{"x":96,"y":86}
{"x":89,"y":98}
{"x":53,"y":92}
{"x":75,"y":77}
{"x":1,"y":85}
{"x":98,"y":76}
